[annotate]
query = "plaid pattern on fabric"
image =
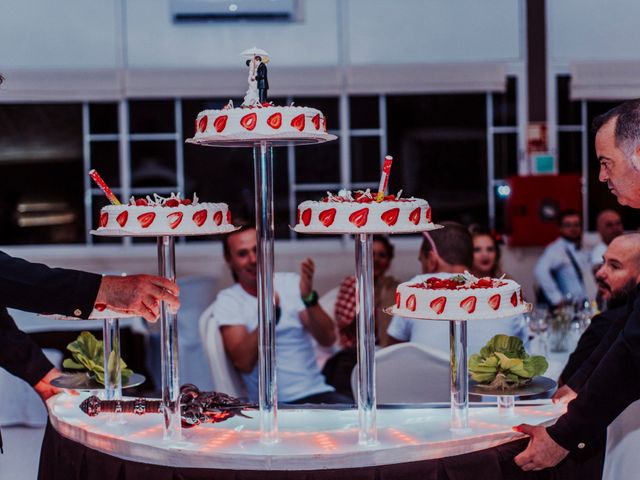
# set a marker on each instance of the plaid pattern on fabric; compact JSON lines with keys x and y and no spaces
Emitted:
{"x":345,"y":311}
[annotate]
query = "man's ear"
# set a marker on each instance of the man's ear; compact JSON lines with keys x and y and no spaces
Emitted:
{"x":635,"y":159}
{"x":433,"y":259}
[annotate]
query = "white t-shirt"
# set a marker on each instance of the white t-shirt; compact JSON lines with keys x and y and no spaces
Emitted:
{"x":297,"y":372}
{"x":434,"y":334}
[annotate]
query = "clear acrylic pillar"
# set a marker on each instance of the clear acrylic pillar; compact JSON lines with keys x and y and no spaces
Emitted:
{"x":169,"y":346}
{"x":112,"y":370}
{"x":267,"y":386}
{"x":365,"y":331}
{"x":459,"y":376}
{"x":506,"y":404}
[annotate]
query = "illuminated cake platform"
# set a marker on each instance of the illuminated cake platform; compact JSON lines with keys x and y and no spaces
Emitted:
{"x":310,"y":438}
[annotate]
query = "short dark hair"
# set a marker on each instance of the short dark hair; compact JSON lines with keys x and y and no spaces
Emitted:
{"x":388,"y":246}
{"x":627,"y":130}
{"x":242,"y":225}
{"x":569,"y":212}
{"x":453,"y":244}
{"x":1,"y":79}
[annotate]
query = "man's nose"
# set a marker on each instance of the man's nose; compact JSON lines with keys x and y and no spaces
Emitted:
{"x":602,"y":175}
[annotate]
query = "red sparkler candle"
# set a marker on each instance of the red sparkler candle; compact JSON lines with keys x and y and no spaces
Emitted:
{"x":107,"y":191}
{"x":384,"y":179}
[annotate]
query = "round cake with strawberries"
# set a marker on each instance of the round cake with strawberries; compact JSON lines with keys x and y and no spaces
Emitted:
{"x":459,"y":297}
{"x":359,"y":212}
{"x":159,"y":216}
{"x":261,"y":122}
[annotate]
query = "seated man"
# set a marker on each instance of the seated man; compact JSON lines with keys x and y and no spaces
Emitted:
{"x":617,"y":279}
{"x":449,"y":250}
{"x":298,"y":319}
{"x":561,"y":271}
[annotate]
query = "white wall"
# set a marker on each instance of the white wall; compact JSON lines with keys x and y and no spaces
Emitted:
{"x":429,"y":31}
{"x":40,"y":34}
{"x":584,"y":30}
{"x":86,"y":34}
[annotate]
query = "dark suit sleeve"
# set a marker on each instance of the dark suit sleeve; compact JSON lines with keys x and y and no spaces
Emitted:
{"x":609,"y":326}
{"x":19,"y":354}
{"x":588,"y":342}
{"x":34,"y":287}
{"x":611,"y":388}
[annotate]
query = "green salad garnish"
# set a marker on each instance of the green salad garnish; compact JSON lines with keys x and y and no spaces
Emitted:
{"x":88,"y":354}
{"x":504,"y":363}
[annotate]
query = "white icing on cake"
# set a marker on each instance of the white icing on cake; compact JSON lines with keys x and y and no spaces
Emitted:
{"x":360,"y":213}
{"x":165,"y":216}
{"x":260,"y":122}
{"x":472,"y":299}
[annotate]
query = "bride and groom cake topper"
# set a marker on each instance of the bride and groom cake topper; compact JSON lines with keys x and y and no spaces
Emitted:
{"x":256,"y":60}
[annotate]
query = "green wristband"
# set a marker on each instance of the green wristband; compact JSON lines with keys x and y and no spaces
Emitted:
{"x":311,"y":300}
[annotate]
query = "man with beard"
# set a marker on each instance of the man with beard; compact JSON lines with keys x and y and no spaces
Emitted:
{"x":613,"y":385}
{"x":560,"y":271}
{"x":617,"y":278}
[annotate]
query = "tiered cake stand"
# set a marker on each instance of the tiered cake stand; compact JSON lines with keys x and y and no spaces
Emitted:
{"x":458,"y":362}
{"x":365,"y":331}
{"x":168,"y":331}
{"x":263,"y":177}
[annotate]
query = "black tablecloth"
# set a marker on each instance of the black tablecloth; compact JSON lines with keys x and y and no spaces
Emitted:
{"x":63,"y":459}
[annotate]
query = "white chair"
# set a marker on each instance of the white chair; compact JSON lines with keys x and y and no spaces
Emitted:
{"x":196,"y":294}
{"x":409,"y":373}
{"x":621,"y":458}
{"x":224,"y":377}
{"x":19,"y":403}
{"x":328,"y":304}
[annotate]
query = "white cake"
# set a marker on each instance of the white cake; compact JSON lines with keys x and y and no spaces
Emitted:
{"x":261,"y":122}
{"x":459,"y":297}
{"x":165,"y":216}
{"x":359,"y":213}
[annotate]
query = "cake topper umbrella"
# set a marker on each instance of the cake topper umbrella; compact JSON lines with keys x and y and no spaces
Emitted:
{"x":257,"y":60}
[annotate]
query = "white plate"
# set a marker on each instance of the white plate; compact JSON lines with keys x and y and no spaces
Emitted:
{"x":108,"y":232}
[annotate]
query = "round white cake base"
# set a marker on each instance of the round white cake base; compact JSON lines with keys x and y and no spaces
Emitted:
{"x":251,"y":139}
{"x":393,"y":310}
{"x":357,"y":231}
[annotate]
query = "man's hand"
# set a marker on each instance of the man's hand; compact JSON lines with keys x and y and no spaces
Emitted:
{"x":307,"y":268}
{"x":564,"y":395}
{"x":44,"y":388}
{"x":138,"y":294}
{"x":542,"y":451}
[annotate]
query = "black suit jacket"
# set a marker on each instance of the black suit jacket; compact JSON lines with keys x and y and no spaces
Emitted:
{"x":612,"y":386}
{"x":34,"y":287}
{"x":592,"y":346}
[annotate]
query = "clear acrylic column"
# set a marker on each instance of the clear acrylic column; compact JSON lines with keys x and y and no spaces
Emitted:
{"x":459,"y":376}
{"x":368,"y":434}
{"x":169,"y":346}
{"x":506,"y":404}
{"x":112,"y":370}
{"x":268,"y":388}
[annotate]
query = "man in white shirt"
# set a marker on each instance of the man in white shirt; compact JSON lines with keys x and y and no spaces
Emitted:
{"x":449,"y":250}
{"x":564,"y":267}
{"x":299,"y":318}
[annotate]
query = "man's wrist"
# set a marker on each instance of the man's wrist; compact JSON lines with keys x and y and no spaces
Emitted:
{"x":310,"y":300}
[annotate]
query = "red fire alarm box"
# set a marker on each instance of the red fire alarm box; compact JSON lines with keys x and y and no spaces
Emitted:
{"x":534,"y":204}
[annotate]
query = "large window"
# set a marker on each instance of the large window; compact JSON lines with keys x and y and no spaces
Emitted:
{"x":576,"y":152}
{"x":41,"y":174}
{"x":450,"y":149}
